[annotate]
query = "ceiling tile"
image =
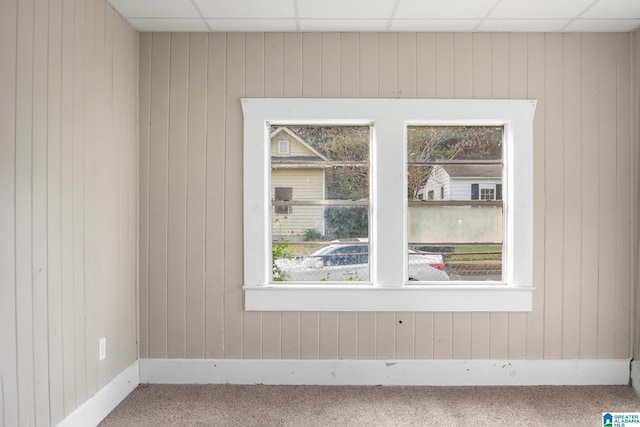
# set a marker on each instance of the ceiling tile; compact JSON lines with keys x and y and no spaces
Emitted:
{"x":166,"y":25}
{"x":539,"y":9}
{"x":624,"y":9}
{"x":603,"y":25}
{"x":246,"y":9}
{"x":520,"y":25}
{"x":433,"y":25}
{"x":155,"y":8}
{"x":341,"y":9}
{"x":381,"y":15}
{"x":441,"y":9}
{"x":253,"y":25}
{"x":343,"y":25}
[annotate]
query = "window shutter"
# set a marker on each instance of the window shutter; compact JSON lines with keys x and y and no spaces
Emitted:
{"x":498,"y":191}
{"x":475,"y":191}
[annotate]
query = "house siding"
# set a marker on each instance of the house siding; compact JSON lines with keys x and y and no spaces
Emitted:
{"x":68,"y":205}
{"x":439,"y":178}
{"x":307,"y":184}
{"x":461,"y":187}
{"x":584,"y":215}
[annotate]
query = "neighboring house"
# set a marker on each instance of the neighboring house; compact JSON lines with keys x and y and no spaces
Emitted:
{"x":463,"y":182}
{"x":297,"y":173}
{"x":439,"y":224}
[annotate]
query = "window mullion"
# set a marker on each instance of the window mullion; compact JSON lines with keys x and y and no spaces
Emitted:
{"x":389,"y":203}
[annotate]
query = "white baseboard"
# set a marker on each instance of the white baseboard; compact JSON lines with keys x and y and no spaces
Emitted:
{"x":389,"y":372}
{"x":94,"y":410}
{"x":351,"y":372}
{"x":635,"y":375}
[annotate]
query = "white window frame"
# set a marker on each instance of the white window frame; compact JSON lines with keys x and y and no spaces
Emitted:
{"x":388,"y":288}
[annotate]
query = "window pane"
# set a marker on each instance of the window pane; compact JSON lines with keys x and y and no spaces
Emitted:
{"x":320,"y":198}
{"x":347,"y":182}
{"x":454,"y":193}
{"x":454,"y":143}
{"x":461,"y":262}
{"x":344,"y":261}
{"x":455,"y":224}
{"x":337,"y":252}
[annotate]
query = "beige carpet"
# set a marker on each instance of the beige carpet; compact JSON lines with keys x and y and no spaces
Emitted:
{"x":260,"y":405}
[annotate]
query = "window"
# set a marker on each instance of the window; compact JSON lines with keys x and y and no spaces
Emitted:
{"x":377,"y":270}
{"x":330,"y":176}
{"x":283,"y":147}
{"x":282,"y":195}
{"x":466,"y":231}
{"x":487,"y":194}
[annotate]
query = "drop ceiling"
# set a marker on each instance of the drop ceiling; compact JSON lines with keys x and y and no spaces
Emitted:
{"x":381,"y":15}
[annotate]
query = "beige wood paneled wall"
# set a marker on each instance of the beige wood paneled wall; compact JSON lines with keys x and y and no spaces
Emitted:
{"x":68,"y":204}
{"x":191,"y":190}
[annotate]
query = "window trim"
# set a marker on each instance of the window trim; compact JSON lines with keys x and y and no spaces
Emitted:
{"x":388,"y":290}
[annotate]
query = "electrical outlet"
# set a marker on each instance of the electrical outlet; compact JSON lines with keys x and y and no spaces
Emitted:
{"x":102,"y":349}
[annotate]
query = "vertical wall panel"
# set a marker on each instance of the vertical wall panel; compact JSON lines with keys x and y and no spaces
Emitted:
{"x":8,"y":339}
{"x":158,"y":177}
{"x":177,"y":195}
{"x":624,"y":213}
{"x":98,"y":163}
{"x":554,"y":194}
{"x":54,"y":212}
{"x":607,"y":142}
{"x":196,"y":193}
{"x":144,"y":114}
{"x":39,"y":218}
{"x":23,"y":208}
{"x":589,"y":198}
{"x":572,"y":197}
{"x":66,"y":180}
{"x":77,"y":166}
{"x":90,"y":81}
{"x":215,"y":171}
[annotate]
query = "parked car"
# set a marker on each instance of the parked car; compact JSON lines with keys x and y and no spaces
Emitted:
{"x":351,"y":263}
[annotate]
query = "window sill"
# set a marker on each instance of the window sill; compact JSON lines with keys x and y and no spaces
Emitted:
{"x":459,"y":297}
